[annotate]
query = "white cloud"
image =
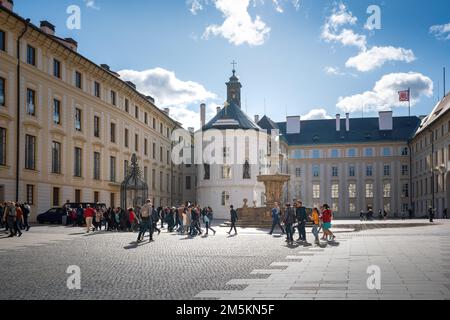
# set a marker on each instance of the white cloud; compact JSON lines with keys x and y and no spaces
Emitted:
{"x":91,"y":4}
{"x":296,"y":4}
{"x":335,"y":71}
{"x":171,"y":92}
{"x":384,"y":95}
{"x":441,"y":32}
{"x":277,"y":5}
{"x":378,"y":56}
{"x":316,"y":114}
{"x":238,"y":27}
{"x":332,"y":30}
{"x":196,"y":5}
{"x":190,"y":118}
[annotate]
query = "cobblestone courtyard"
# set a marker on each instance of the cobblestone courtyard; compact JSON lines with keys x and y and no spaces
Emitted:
{"x":414,"y":263}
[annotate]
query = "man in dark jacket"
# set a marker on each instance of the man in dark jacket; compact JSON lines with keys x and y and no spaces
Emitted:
{"x":289,"y":220}
{"x":300,"y":212}
{"x":233,"y":218}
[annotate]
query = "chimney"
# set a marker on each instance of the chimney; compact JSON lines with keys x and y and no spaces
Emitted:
{"x":256,"y":118}
{"x":105,"y":66}
{"x":131,"y":84}
{"x":385,"y":121}
{"x":218,"y":109}
{"x":202,"y":115}
{"x":167,"y":111}
{"x":47,"y":27}
{"x":71,"y":43}
{"x":347,"y":122}
{"x":293,"y":125}
{"x":8,"y":4}
{"x":338,"y":122}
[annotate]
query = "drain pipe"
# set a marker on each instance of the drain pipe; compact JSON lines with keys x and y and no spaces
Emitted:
{"x":18,"y":110}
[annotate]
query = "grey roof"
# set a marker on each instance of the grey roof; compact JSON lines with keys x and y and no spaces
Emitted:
{"x":231,"y":117}
{"x":320,"y":132}
{"x":439,"y":110}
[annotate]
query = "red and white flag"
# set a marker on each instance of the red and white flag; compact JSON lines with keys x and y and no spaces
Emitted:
{"x":403,"y":95}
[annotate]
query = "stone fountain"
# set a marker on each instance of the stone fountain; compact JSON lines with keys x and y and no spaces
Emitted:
{"x":262,"y":217}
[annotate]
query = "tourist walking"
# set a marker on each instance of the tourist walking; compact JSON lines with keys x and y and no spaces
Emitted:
{"x":289,"y":220}
{"x":326,"y":219}
{"x":276,"y":221}
{"x":207,"y":217}
{"x":315,"y":218}
{"x":154,"y":220}
{"x":145,"y":221}
{"x":89,"y":215}
{"x":18,"y":220}
{"x":300,"y":212}
{"x":233,"y":219}
{"x":9,"y":217}
{"x":431,"y":214}
{"x":26,"y":215}
{"x":444,"y":214}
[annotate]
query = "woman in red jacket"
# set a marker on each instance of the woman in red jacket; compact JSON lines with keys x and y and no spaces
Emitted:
{"x":326,"y":219}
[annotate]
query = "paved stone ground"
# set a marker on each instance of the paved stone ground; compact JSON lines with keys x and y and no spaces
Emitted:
{"x":415,"y":264}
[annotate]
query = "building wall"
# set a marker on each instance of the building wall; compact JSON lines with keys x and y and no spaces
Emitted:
{"x":40,"y":78}
{"x":425,"y":164}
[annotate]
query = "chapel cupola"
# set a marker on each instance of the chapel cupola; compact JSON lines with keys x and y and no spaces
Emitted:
{"x":234,"y":88}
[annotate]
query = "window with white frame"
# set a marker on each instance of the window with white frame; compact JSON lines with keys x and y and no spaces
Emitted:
{"x":387,"y":190}
{"x":316,"y":191}
{"x":335,"y":191}
{"x":352,"y":190}
{"x":225,"y":198}
{"x":369,"y":190}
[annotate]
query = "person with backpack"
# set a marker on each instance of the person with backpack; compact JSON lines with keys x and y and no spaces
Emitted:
{"x":289,"y":220}
{"x":276,"y":213}
{"x":207,"y":218}
{"x":233,"y":219}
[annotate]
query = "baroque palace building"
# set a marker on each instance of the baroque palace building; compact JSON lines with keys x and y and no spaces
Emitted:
{"x":68,"y":127}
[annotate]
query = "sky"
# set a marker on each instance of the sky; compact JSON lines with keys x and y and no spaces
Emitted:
{"x":313,"y":58}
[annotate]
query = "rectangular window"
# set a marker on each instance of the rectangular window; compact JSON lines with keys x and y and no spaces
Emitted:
{"x":96,"y":127}
{"x":113,"y":98}
{"x":369,"y":171}
{"x":334,"y":171}
{"x":334,"y":153}
{"x":167,"y":183}
{"x":335,"y":191}
{"x":97,"y":89}
{"x":161,"y":128}
{"x":167,"y":157}
{"x":96,"y":197}
{"x":2,"y":40}
{"x":352,"y":207}
{"x":96,"y":166}
{"x":387,"y":170}
{"x":56,"y":111}
{"x":77,"y":195}
{"x":153,"y":179}
{"x":57,"y":68}
{"x":125,"y":168}
{"x":405,"y":170}
{"x":369,"y":190}
{"x":168,"y":132}
{"x":2,"y":92}
{"x":77,"y":162}
{"x":386,"y":152}
{"x":316,"y":171}
{"x":136,"y":112}
{"x":154,"y":150}
{"x":78,"y":116}
{"x":351,"y":171}
{"x":405,"y":190}
{"x":30,"y":152}
{"x":56,"y":202}
{"x":2,"y":147}
{"x":112,"y":200}
{"x":351,"y":153}
{"x":146,"y":118}
{"x":188,"y":182}
{"x":405,"y":151}
{"x":161,"y":181}
{"x":146,"y":174}
{"x":297,"y":154}
{"x":112,"y":169}
{"x":31,"y":102}
{"x":113,"y":132}
{"x":31,"y":55}
{"x":154,"y":123}
{"x":298,"y":172}
{"x":352,"y":190}
{"x":127,"y":106}
{"x":78,"y":80}
{"x":387,"y":190}
{"x":30,"y":194}
{"x":368,"y":152}
{"x":161,"y":154}
{"x":316,"y":191}
{"x":226,"y":172}
{"x":145,"y":146}
{"x":126,"y":138}
{"x":56,"y":157}
{"x":316,"y":154}
{"x":136,"y":143}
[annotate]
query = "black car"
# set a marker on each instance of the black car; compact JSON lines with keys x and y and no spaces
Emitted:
{"x":53,"y":215}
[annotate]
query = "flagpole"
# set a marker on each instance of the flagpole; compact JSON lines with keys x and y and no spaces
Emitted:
{"x":409,"y":101}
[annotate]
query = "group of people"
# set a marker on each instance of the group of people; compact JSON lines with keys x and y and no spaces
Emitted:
{"x":186,"y":219}
{"x":14,"y":217}
{"x":296,"y":217}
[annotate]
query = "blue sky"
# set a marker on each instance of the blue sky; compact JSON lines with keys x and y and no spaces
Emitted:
{"x":312,"y":58}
